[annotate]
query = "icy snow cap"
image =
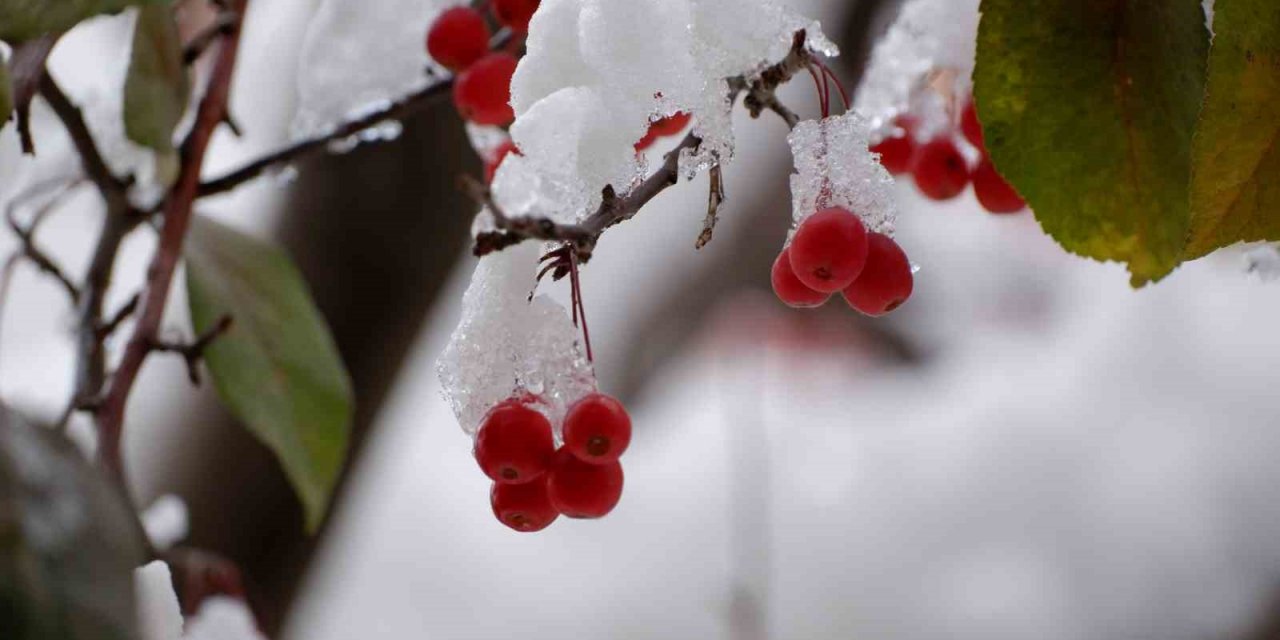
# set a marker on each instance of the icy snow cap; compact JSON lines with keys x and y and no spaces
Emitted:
{"x":834,"y":168}
{"x":929,"y":36}
{"x":597,"y":72}
{"x":508,"y":345}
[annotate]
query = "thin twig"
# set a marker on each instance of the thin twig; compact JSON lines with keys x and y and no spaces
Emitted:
{"x":113,"y":189}
{"x":42,"y":261}
{"x":714,"y":199}
{"x":201,"y":41}
{"x":193,"y":352}
{"x":109,"y":327}
{"x":177,"y":218}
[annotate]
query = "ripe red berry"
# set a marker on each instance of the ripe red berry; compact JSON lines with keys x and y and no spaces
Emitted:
{"x":523,"y":507}
{"x":482,"y":93}
{"x":970,"y":126}
{"x":647,"y":141}
{"x":940,"y":170}
{"x":788,"y":287}
{"x":597,"y":429}
{"x":583,"y":490}
{"x":829,"y":249}
{"x":994,"y":193}
{"x":515,"y":13}
{"x":897,"y":150}
{"x":670,"y":125}
{"x":458,"y":37}
{"x":514,"y":445}
{"x":491,"y":165}
{"x":886,"y":281}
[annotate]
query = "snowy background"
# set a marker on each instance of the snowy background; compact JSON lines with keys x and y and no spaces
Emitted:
{"x":1065,"y":459}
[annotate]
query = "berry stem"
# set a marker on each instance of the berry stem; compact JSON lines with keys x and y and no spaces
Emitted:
{"x":828,"y":73}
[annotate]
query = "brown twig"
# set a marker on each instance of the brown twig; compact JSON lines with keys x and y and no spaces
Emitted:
{"x":714,"y":199}
{"x":105,"y":329}
{"x":27,"y":69}
{"x":760,"y":95}
{"x":28,"y":249}
{"x":201,"y":41}
{"x":177,"y":218}
{"x":113,"y":189}
{"x":193,"y":352}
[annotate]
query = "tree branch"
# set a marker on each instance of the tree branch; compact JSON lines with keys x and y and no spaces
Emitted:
{"x":193,"y":352}
{"x":177,"y":211}
{"x":113,"y":189}
{"x":760,"y":94}
{"x":42,"y":261}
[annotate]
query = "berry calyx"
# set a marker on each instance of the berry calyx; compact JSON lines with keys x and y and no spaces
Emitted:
{"x":971,"y":127}
{"x":788,"y":287}
{"x":458,"y":37}
{"x":597,"y":429}
{"x":515,"y":13}
{"x":994,"y":193}
{"x":897,"y":150}
{"x":499,"y":154}
{"x":583,"y":490}
{"x":482,"y":93}
{"x":514,"y":444}
{"x":940,"y":170}
{"x":523,"y":507}
{"x":886,"y":281}
{"x":829,"y":249}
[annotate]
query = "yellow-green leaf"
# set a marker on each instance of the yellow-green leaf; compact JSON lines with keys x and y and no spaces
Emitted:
{"x":6,"y":95}
{"x":277,"y":368}
{"x":26,"y":19}
{"x":157,"y":89}
{"x":1235,"y":171}
{"x":1089,"y":110}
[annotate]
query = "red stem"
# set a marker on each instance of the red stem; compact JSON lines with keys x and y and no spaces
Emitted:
{"x":177,"y":219}
{"x":823,"y":96}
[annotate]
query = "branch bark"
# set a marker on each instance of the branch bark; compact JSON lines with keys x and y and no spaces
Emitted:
{"x":177,"y":211}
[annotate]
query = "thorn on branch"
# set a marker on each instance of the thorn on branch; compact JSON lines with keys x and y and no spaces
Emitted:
{"x":105,"y":329}
{"x":232,"y":124}
{"x":193,"y":352}
{"x":714,"y":200}
{"x":42,"y":261}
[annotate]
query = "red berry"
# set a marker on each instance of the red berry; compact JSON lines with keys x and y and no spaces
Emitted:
{"x":514,"y":445}
{"x":941,"y":172}
{"x":583,"y":490}
{"x":458,"y":37}
{"x":970,"y":126}
{"x":515,"y":13}
{"x":897,"y":150}
{"x":829,"y":249}
{"x":482,"y":93}
{"x":788,"y":287}
{"x":994,"y":193}
{"x":647,"y":141}
{"x":886,"y":281}
{"x":670,"y":125}
{"x":491,"y":165}
{"x":523,"y":507}
{"x":597,"y":429}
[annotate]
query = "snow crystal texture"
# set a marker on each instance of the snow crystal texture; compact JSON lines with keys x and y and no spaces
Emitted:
{"x":833,"y":168}
{"x":507,"y":345}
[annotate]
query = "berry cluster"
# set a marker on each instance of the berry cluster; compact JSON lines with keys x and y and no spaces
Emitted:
{"x":459,"y":39}
{"x":940,"y":169}
{"x":833,"y":251}
{"x":533,"y":482}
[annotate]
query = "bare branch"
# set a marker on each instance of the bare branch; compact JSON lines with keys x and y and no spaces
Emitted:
{"x":177,"y":218}
{"x":27,"y":68}
{"x":42,"y":261}
{"x":193,"y":352}
{"x":109,"y":327}
{"x":113,"y":189}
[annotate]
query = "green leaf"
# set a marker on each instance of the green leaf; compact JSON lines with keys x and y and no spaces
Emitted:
{"x":26,"y":19}
{"x":1235,"y":171}
{"x":68,"y":542}
{"x":277,"y":368}
{"x":156,"y":90}
{"x":6,"y":95}
{"x":1089,"y":109}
